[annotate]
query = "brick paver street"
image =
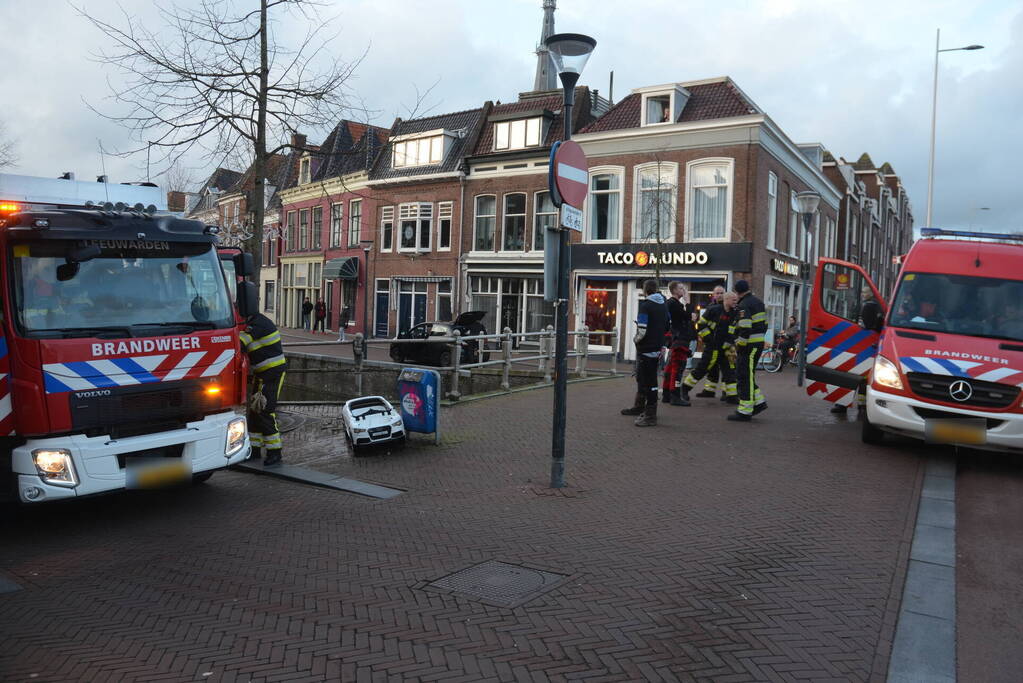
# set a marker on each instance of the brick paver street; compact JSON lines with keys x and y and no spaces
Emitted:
{"x":698,"y":549}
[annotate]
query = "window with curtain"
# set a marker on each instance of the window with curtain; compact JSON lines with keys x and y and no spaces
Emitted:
{"x":545,"y":216}
{"x":354,"y":222}
{"x":604,"y":202}
{"x":657,"y":189}
{"x":486,"y":222}
{"x":514,"y":236}
{"x":772,"y":210}
{"x":709,"y":195}
{"x":335,"y":225}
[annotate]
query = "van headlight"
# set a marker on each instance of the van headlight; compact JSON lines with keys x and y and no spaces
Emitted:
{"x":55,"y":466}
{"x":235,"y":436}
{"x":886,"y":374}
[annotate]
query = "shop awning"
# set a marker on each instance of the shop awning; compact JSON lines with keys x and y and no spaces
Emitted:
{"x":421,"y":278}
{"x":346,"y":268}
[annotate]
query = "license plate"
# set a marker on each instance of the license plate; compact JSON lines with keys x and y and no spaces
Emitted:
{"x":153,"y":473}
{"x":967,"y":431}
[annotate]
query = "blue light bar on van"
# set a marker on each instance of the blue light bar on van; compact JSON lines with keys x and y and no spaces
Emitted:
{"x":938,"y":232}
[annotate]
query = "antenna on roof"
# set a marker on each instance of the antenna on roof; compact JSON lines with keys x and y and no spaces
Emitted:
{"x":611,"y":88}
{"x":103,"y":165}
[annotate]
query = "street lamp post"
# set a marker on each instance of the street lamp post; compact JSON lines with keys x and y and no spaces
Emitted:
{"x":805,"y":205}
{"x":367,"y":246}
{"x":934,"y":118}
{"x":569,"y":52}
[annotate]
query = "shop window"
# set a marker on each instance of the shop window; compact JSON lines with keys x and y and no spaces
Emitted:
{"x":485,"y":222}
{"x":709,"y":206}
{"x":601,"y":313}
{"x":657,"y":188}
{"x":545,"y":217}
{"x":514,"y":222}
{"x":604,"y":206}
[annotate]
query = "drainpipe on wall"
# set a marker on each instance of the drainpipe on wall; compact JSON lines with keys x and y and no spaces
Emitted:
{"x":459,"y":277}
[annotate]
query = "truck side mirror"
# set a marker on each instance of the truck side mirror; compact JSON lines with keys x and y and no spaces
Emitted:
{"x":244,"y":266}
{"x":872,"y":315}
{"x":248,"y":299}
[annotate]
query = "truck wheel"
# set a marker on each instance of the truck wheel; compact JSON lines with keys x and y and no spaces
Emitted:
{"x":444,"y":358}
{"x":201,"y":477}
{"x":869,"y":433}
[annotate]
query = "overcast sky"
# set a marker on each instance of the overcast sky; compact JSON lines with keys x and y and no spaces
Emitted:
{"x":854,"y":76}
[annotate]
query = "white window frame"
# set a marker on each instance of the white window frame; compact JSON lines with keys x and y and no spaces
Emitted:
{"x":507,"y":138}
{"x":305,"y":166}
{"x":354,"y":222}
{"x":729,"y":162}
{"x":504,"y":221}
{"x":336,"y":223}
{"x":605,"y":170}
{"x":387,"y":216}
{"x":671,"y":107}
{"x":419,"y":212}
{"x":434,"y":147}
{"x":475,"y":221}
{"x":795,"y":225}
{"x":445,"y":212}
{"x":772,"y":211}
{"x":637,"y":171}
{"x":533,"y":224}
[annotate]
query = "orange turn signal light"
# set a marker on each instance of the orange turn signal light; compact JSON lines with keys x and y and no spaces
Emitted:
{"x":212,"y":391}
{"x":9,"y":207}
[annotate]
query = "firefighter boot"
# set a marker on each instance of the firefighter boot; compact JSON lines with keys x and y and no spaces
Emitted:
{"x":677,"y":398}
{"x":273,"y":457}
{"x":666,"y":396}
{"x":684,"y":394}
{"x":649,"y":416}
{"x":637,"y":407}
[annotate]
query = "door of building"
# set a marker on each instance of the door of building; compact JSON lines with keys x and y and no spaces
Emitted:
{"x":383,"y":305}
{"x":411,"y":305}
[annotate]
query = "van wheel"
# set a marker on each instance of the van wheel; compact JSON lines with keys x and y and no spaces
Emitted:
{"x":444,"y":358}
{"x":201,"y":477}
{"x":869,"y":433}
{"x":396,"y":355}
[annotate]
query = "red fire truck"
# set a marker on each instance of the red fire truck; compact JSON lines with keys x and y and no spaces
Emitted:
{"x":943,"y":362}
{"x":120,"y":364}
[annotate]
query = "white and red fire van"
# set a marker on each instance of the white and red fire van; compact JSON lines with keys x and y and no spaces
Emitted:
{"x":943,"y":362}
{"x":120,"y":363}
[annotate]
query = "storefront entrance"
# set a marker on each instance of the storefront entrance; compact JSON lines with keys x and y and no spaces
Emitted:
{"x":513,"y":302}
{"x":601,"y":313}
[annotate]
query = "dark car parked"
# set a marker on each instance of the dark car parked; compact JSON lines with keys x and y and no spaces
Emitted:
{"x":439,"y":354}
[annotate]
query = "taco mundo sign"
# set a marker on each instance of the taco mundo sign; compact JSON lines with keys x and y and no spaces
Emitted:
{"x":718,"y":256}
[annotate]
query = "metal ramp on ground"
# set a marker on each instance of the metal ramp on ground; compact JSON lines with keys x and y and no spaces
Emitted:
{"x":322,"y":479}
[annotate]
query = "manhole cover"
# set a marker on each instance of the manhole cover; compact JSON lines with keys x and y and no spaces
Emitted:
{"x":499,"y":583}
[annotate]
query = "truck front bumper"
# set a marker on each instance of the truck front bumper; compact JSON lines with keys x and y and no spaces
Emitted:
{"x":99,"y":461}
{"x":898,"y":415}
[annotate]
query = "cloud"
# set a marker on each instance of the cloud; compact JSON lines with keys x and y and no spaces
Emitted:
{"x":854,"y":76}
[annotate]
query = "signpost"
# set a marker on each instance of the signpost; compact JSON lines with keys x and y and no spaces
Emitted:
{"x":571,"y":218}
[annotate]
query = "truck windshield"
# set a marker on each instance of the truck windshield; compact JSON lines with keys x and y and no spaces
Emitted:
{"x":144,"y":289}
{"x":960,"y":304}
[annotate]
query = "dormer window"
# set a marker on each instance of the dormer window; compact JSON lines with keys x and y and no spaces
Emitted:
{"x":423,"y":149}
{"x":517,"y":134}
{"x":662,"y":104}
{"x":303,"y":171}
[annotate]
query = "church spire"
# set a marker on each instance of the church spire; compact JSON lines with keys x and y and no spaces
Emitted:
{"x":545,"y":79}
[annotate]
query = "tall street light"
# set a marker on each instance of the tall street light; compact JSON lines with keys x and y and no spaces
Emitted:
{"x":805,"y":205}
{"x":934,"y":117}
{"x":569,"y":52}
{"x":367,"y":246}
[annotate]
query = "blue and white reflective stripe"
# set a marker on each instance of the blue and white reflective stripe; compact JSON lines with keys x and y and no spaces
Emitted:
{"x":937,"y":366}
{"x":120,"y":372}
{"x":828,"y":336}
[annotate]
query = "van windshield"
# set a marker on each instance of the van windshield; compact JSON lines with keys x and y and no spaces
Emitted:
{"x":960,"y":304}
{"x":117,"y":290}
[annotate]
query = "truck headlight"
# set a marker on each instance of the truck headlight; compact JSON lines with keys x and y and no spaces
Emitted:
{"x":55,"y":466}
{"x":886,"y":374}
{"x":235,"y":436}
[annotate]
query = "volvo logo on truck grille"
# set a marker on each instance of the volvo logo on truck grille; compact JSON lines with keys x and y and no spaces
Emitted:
{"x":960,"y":390}
{"x":92,"y":394}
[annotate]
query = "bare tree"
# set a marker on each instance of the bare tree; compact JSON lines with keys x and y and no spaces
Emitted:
{"x":8,"y":149}
{"x":179,"y":178}
{"x":658,"y":208}
{"x":216,"y":78}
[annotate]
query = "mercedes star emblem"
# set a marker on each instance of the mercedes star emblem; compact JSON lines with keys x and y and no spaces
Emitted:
{"x":960,"y":390}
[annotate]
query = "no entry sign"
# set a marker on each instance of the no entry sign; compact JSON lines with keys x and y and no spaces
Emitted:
{"x":570,"y":173}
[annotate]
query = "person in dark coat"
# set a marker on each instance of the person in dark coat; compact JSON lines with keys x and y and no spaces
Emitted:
{"x":679,"y":337}
{"x":651,"y":326}
{"x":307,"y":310}
{"x":321,"y":316}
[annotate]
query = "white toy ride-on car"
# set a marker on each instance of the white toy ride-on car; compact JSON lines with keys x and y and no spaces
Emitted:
{"x":372,"y":420}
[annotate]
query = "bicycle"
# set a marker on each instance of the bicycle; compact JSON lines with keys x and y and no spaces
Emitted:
{"x":774,"y":359}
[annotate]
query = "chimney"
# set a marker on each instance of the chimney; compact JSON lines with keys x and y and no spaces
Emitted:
{"x":297,"y":141}
{"x":67,"y":175}
{"x":101,"y":179}
{"x":176,"y":201}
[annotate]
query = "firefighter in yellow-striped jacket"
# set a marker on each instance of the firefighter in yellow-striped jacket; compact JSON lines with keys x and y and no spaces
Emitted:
{"x":750,"y":329}
{"x":262,"y":342}
{"x":716,"y":327}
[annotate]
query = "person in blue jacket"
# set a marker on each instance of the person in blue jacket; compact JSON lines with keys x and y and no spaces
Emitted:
{"x":651,"y":326}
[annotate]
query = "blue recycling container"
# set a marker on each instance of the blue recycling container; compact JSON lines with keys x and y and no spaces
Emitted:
{"x":419,"y":397}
